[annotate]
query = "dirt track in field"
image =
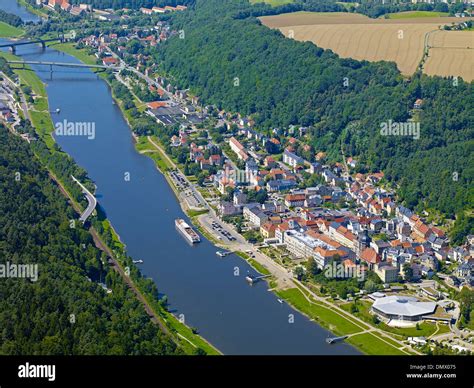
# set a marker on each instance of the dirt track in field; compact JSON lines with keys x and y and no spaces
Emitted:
{"x":399,"y":40}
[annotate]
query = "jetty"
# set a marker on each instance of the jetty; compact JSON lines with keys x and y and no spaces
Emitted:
{"x":251,"y":279}
{"x":333,"y":340}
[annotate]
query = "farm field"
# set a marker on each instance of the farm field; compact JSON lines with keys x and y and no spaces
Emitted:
{"x":451,"y":53}
{"x":399,"y":40}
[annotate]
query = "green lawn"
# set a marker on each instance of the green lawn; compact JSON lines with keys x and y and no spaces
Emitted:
{"x":44,"y":126}
{"x":69,"y":48}
{"x":321,"y":314}
{"x":416,"y":14}
{"x":260,"y":268}
{"x":195,"y":213}
{"x":470,"y":324}
{"x":37,"y":11}
{"x":425,"y":330}
{"x":373,"y":345}
{"x":273,"y":3}
{"x":41,"y":103}
{"x":27,"y":76}
{"x":8,"y":31}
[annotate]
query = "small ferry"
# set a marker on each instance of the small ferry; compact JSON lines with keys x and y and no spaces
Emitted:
{"x":138,"y":261}
{"x":189,"y":234}
{"x":223,"y":253}
{"x":250,"y":279}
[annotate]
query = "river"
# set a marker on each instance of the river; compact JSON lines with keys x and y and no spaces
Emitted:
{"x":233,"y":316}
{"x":17,"y":9}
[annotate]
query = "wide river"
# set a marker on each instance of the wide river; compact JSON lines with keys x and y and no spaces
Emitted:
{"x":233,"y":316}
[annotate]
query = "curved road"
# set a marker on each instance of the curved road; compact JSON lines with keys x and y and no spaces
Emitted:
{"x":90,"y":198}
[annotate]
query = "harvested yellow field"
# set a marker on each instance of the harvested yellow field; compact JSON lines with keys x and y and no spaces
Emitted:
{"x":452,"y":39}
{"x":451,"y":54}
{"x":356,"y":36}
{"x":401,"y":43}
{"x":314,"y":18}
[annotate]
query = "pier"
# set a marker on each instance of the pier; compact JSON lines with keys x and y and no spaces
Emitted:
{"x":333,"y":340}
{"x":251,"y":279}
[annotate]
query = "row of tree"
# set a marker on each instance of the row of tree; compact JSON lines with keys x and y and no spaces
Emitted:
{"x":10,"y":18}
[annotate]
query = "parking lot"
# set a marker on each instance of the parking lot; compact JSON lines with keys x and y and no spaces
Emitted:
{"x":221,"y":232}
{"x":185,"y":190}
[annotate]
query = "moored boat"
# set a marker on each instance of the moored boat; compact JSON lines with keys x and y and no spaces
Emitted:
{"x":187,"y":231}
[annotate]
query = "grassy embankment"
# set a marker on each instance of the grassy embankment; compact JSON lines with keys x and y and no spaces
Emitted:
{"x":41,"y":119}
{"x":36,"y":11}
{"x":369,"y":343}
{"x":8,"y":31}
{"x":39,"y":108}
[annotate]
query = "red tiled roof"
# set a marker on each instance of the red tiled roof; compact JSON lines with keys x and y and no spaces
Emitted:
{"x":156,"y":104}
{"x":370,"y":256}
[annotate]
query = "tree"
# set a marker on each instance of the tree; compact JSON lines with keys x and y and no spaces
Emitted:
{"x":312,"y":268}
{"x":370,"y":286}
{"x":466,"y":304}
{"x":354,"y":308}
{"x":299,"y":272}
{"x":408,"y":272}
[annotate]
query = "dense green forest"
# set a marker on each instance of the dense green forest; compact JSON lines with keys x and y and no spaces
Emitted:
{"x":11,"y":19}
{"x":283,"y":82}
{"x":65,"y":311}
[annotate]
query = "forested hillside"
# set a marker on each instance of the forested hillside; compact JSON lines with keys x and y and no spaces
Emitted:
{"x":65,"y":311}
{"x":283,"y":82}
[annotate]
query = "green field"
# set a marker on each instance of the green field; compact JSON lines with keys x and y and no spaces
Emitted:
{"x":321,"y":314}
{"x":273,"y":3}
{"x":7,"y":31}
{"x":195,"y":213}
{"x":41,"y":103}
{"x":370,"y":344}
{"x":416,"y":14}
{"x":27,"y":76}
{"x":69,"y":48}
{"x":260,"y":268}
